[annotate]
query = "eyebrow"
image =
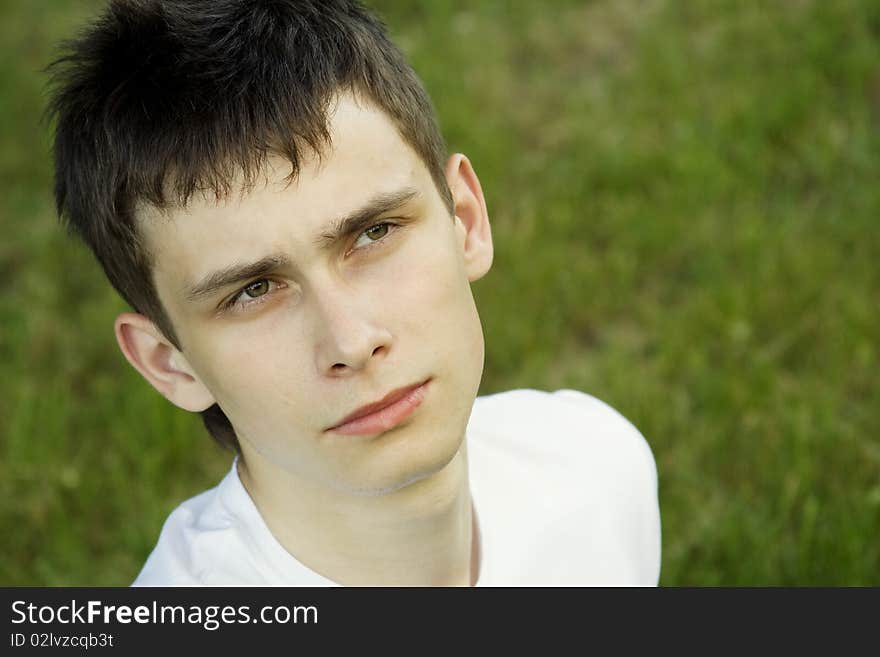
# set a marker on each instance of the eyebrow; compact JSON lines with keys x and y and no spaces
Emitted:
{"x":235,"y":274}
{"x":350,"y":224}
{"x":360,"y":219}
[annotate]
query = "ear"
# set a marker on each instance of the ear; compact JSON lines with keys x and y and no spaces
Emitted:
{"x":471,"y":216}
{"x":160,"y":362}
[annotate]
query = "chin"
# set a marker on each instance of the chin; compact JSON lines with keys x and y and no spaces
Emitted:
{"x":402,"y":468}
{"x":419,"y":454}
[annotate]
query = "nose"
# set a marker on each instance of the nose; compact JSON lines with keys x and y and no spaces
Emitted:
{"x":349,"y":334}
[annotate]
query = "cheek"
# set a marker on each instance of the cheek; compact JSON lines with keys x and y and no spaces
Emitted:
{"x":434,"y":302}
{"x":251,"y":376}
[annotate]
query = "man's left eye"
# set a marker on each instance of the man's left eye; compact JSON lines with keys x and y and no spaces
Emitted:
{"x":373,"y":234}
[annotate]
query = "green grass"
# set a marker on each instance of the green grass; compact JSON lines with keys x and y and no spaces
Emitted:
{"x":685,"y":209}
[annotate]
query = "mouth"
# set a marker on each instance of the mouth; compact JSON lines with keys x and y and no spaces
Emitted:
{"x":385,"y":414}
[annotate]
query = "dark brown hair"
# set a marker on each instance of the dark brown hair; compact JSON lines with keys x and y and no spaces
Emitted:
{"x":159,"y":99}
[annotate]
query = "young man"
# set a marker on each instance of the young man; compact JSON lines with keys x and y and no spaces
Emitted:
{"x":265,"y":183}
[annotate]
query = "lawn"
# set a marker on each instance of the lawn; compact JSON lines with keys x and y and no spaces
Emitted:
{"x":685,"y":209}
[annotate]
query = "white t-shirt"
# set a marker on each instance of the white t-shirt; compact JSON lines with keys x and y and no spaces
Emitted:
{"x":564,"y":488}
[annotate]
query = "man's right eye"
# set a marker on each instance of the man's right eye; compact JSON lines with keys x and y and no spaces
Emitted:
{"x":256,"y":289}
{"x":252,"y":294}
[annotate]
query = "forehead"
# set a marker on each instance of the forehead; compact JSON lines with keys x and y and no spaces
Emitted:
{"x":366,"y":157}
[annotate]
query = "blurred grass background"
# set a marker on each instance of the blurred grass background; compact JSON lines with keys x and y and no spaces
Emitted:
{"x":685,"y":208}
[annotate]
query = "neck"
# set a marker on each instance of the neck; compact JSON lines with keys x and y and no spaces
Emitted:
{"x":423,"y":534}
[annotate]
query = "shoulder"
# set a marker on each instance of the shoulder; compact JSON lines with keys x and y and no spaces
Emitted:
{"x":546,"y":423}
{"x":576,"y":473}
{"x":199,"y":540}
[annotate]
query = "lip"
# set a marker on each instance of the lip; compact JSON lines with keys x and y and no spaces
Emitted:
{"x":384,"y":414}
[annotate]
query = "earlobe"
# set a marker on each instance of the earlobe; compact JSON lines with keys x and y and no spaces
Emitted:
{"x":160,"y":362}
{"x":471,"y":216}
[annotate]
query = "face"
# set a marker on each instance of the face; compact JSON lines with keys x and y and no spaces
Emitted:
{"x":290,"y":327}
